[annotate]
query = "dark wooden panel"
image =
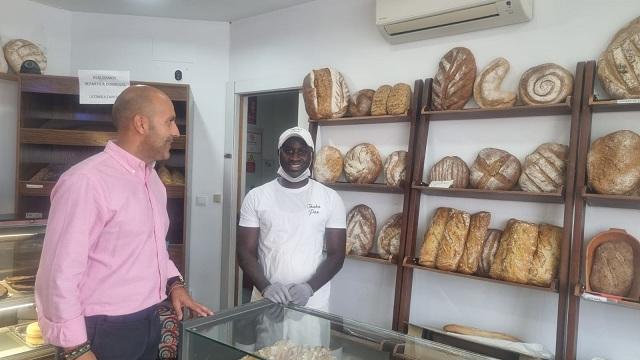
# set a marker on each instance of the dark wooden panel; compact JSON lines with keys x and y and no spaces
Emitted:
{"x":76,"y":137}
{"x":612,"y":201}
{"x":614,"y":105}
{"x":378,"y":188}
{"x":362,"y":120}
{"x":374,"y":258}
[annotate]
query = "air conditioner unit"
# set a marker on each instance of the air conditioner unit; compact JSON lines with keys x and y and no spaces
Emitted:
{"x":410,"y":20}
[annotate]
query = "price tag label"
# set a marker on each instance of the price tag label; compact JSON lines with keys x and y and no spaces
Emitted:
{"x":628,"y":101}
{"x":35,"y":186}
{"x":595,"y":298}
{"x":33,"y":215}
{"x":441,"y":184}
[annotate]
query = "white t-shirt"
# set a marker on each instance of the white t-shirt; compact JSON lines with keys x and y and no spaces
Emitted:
{"x":292,"y":224}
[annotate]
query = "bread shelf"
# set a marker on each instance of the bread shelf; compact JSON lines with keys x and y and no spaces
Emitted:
{"x":614,"y":105}
{"x":374,"y":258}
{"x":506,"y":195}
{"x":383,"y":119}
{"x":44,"y":188}
{"x":612,"y":201}
{"x":599,"y":298}
{"x":514,"y":111}
{"x":9,"y":77}
{"x":76,"y":137}
{"x":379,"y":188}
{"x":411,"y":262}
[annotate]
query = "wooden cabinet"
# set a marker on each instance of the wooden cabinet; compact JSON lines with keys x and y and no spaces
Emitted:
{"x":55,"y":132}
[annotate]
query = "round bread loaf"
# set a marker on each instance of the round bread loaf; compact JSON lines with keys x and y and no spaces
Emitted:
{"x":486,"y":89}
{"x":395,"y":168}
{"x":399,"y":99}
{"x":165,"y":175}
{"x":451,"y":168}
{"x":362,"y":164}
{"x":545,"y":84}
{"x":361,"y":230}
{"x":613,"y":164}
{"x":327,"y":166}
{"x":4,"y":67}
{"x":612,"y":269}
{"x":325,"y":93}
{"x":33,"y":329}
{"x":389,"y":237}
{"x":544,"y":170}
{"x":494,"y":169}
{"x":360,"y":104}
{"x":618,"y":68}
{"x":453,"y":83}
{"x":177,"y":178}
{"x":379,"y":102}
{"x":18,"y":51}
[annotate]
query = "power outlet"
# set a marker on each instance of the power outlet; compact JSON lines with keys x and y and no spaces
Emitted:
{"x":201,"y":200}
{"x":217,"y":198}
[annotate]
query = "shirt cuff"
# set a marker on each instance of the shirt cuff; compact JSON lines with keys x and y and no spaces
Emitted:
{"x":69,"y":333}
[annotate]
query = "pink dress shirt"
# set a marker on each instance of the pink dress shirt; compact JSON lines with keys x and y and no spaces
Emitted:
{"x":104,"y":250}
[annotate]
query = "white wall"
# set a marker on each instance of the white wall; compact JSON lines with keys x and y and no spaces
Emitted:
{"x":152,"y":49}
{"x":281,"y":47}
{"x":32,"y":21}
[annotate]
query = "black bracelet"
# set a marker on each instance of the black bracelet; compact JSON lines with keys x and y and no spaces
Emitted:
{"x":77,"y":352}
{"x":174,"y":282}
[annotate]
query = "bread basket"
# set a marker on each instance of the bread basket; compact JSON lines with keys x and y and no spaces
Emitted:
{"x":610,"y":235}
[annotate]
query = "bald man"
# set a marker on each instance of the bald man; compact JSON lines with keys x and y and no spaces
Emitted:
{"x":104,"y":265}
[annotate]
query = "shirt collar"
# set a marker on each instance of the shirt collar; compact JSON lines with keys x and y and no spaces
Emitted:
{"x":129,"y":161}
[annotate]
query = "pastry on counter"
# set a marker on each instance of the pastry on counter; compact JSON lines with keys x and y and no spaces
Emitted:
{"x":362,"y":164}
{"x":395,"y":168}
{"x":360,"y":104}
{"x":486,"y":89}
{"x":379,"y":102}
{"x":494,"y":169}
{"x":361,"y":230}
{"x":433,"y":237}
{"x":613,"y":164}
{"x":325,"y":93}
{"x":545,"y":84}
{"x":21,"y":282}
{"x":478,"y":227}
{"x":544,"y":170}
{"x":285,"y":350}
{"x":399,"y":99}
{"x":453,"y":83}
{"x":389,"y":237}
{"x":544,"y":267}
{"x":618,"y":68}
{"x":33,"y":335}
{"x":453,"y":241}
{"x":451,"y":168}
{"x":328,"y":164}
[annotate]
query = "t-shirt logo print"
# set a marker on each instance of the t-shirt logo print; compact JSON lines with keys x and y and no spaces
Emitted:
{"x":313,"y":209}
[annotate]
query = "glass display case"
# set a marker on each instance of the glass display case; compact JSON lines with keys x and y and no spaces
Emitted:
{"x":20,"y":248}
{"x":263,"y":330}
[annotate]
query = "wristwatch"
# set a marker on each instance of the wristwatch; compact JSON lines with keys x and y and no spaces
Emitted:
{"x":174,"y":282}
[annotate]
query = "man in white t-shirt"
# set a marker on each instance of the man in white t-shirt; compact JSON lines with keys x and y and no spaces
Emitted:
{"x":284,"y":225}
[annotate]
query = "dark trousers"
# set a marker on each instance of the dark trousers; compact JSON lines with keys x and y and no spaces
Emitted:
{"x":125,"y":337}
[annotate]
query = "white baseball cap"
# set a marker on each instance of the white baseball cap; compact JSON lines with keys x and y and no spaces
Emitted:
{"x":297,"y":132}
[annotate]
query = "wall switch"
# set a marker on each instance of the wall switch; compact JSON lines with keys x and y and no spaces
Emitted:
{"x":201,"y":200}
{"x":217,"y":198}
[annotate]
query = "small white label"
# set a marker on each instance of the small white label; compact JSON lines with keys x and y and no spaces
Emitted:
{"x":628,"y":101}
{"x":595,"y":298}
{"x":35,"y":186}
{"x":101,"y":86}
{"x":33,"y":215}
{"x":442,"y":184}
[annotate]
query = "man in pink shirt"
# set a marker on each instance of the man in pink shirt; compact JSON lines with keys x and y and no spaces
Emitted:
{"x":105,"y":266}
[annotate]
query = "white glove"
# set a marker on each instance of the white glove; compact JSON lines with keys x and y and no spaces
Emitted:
{"x":277,"y":293}
{"x":300,"y":293}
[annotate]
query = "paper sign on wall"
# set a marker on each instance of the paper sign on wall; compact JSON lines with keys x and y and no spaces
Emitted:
{"x":101,"y":86}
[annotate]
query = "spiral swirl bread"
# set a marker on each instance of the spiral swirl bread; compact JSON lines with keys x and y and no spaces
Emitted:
{"x":545,"y":84}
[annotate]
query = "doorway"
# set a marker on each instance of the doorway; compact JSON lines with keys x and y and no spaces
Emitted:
{"x":265,"y":116}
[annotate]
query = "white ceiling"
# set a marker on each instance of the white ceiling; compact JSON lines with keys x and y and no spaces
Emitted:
{"x":213,"y":10}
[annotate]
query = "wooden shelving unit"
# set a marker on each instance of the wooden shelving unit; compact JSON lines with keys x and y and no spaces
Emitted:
{"x":590,"y":105}
{"x":411,"y":120}
{"x":570,"y":108}
{"x":55,"y":129}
